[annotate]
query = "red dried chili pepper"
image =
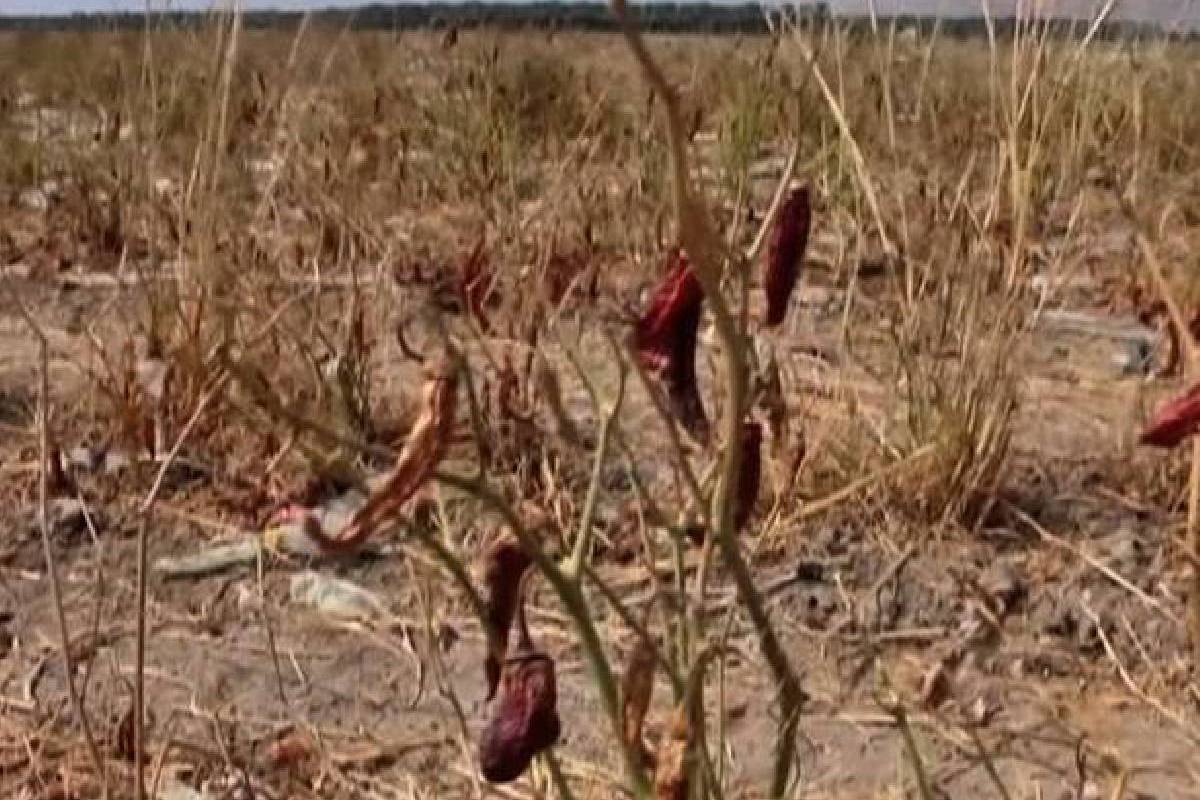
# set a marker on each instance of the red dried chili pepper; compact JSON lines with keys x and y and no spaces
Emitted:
{"x":1175,"y":421}
{"x":785,"y":252}
{"x":666,"y":337}
{"x":505,"y":567}
{"x":526,"y":717}
{"x":749,"y":481}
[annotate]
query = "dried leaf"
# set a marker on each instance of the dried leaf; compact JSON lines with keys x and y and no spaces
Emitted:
{"x":125,"y":735}
{"x":799,"y":453}
{"x":525,"y":721}
{"x":58,"y":483}
{"x":666,"y":337}
{"x":785,"y":252}
{"x":565,"y":272}
{"x":1149,"y":314}
{"x":290,"y":749}
{"x":509,"y":401}
{"x":1175,"y":421}
{"x":935,"y":686}
{"x":336,"y":598}
{"x":423,"y":451}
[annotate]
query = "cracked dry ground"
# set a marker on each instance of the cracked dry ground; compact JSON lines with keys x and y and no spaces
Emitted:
{"x":1051,"y":637}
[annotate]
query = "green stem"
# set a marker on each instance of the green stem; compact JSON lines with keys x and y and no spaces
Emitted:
{"x":557,"y":777}
{"x":628,"y":618}
{"x":583,"y":538}
{"x":454,"y":565}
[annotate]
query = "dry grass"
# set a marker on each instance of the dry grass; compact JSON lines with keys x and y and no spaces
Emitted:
{"x":249,"y":241}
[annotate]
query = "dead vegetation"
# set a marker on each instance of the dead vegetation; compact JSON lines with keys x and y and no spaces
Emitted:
{"x":330,"y":357}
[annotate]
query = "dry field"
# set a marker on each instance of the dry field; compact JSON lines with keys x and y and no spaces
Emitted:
{"x":231,"y":259}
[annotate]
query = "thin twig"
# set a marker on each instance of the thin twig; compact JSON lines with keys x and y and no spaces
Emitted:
{"x":894,"y":708}
{"x":584,"y":536}
{"x":68,"y":663}
{"x":139,"y":696}
{"x":557,"y":777}
{"x":1094,"y":563}
{"x":1131,"y":685}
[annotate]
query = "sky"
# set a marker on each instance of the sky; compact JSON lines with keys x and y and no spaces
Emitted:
{"x":1168,"y":11}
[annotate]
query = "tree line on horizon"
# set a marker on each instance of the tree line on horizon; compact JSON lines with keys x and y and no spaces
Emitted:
{"x":664,"y":17}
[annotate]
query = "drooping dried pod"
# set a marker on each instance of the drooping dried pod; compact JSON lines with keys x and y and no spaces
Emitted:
{"x":671,"y":761}
{"x":1175,"y":421}
{"x":785,"y":252}
{"x":505,"y":566}
{"x":423,"y":450}
{"x":677,"y":748}
{"x":637,"y":686}
{"x":750,"y":475}
{"x":748,"y":483}
{"x":666,"y":337}
{"x":525,"y":719}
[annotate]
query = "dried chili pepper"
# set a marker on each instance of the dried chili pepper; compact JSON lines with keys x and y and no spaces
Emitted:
{"x":785,"y":252}
{"x":749,"y":482}
{"x":1175,"y":421}
{"x":423,"y":450}
{"x":666,"y":337}
{"x":637,"y":686}
{"x":750,"y":475}
{"x":505,"y":567}
{"x":525,"y":721}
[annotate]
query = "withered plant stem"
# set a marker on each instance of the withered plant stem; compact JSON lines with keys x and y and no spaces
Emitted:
{"x":1193,"y":539}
